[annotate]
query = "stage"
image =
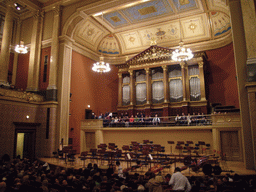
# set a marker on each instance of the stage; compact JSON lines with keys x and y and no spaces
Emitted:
{"x":231,"y":167}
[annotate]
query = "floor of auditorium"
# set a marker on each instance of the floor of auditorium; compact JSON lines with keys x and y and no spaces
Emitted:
{"x":230,"y":167}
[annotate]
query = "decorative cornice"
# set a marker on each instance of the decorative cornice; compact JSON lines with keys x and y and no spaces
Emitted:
{"x":22,"y":95}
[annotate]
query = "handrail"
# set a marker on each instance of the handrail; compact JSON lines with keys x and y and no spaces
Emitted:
{"x":193,"y":120}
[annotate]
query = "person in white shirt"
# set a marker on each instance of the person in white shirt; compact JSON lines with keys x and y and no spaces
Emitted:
{"x":156,"y":120}
{"x":179,"y":182}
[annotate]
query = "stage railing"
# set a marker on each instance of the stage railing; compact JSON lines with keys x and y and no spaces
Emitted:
{"x":196,"y":120}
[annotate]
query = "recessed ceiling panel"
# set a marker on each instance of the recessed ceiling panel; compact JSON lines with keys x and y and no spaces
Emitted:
{"x":147,"y":10}
{"x":115,"y":19}
{"x":109,"y":46}
{"x":161,"y":33}
{"x":131,"y":40}
{"x":89,"y":33}
{"x":220,"y":22}
{"x":195,"y":27}
{"x":185,"y":5}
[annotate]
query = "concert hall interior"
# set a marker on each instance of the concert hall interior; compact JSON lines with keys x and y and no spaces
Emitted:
{"x":52,"y":99}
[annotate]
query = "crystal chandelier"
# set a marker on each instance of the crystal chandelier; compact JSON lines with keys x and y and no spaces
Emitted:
{"x":182,"y":53}
{"x":101,"y":66}
{"x":21,"y":48}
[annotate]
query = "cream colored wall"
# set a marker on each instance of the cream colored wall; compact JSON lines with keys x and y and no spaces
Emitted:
{"x":26,"y":30}
{"x":124,"y":137}
{"x":20,"y":144}
{"x":48,"y":25}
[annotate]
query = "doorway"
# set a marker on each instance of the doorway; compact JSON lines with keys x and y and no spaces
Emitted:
{"x":90,"y":140}
{"x":230,"y":145}
{"x":25,"y":140}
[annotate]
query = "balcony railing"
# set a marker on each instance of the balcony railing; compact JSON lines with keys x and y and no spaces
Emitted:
{"x":197,"y":120}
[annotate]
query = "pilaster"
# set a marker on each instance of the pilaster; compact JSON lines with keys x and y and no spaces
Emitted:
{"x":6,"y":42}
{"x":51,"y":93}
{"x":201,"y":77}
{"x":132,"y":87}
{"x":64,"y":80}
{"x":15,"y":59}
{"x":240,"y":63}
{"x":35,"y":52}
{"x":149,"y":87}
{"x":166,"y":85}
{"x":120,"y":89}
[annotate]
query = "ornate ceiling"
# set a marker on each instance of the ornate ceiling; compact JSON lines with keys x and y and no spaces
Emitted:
{"x":128,"y":26}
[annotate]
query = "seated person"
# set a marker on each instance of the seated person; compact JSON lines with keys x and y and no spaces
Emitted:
{"x":177,"y":119}
{"x":183,"y":119}
{"x":189,"y":119}
{"x":156,"y":120}
{"x":131,"y":120}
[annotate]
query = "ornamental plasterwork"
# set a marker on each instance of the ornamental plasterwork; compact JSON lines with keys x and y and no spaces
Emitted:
{"x":161,"y":33}
{"x":220,"y":23}
{"x":131,"y":40}
{"x":195,"y":27}
{"x":25,"y":96}
{"x":89,"y":32}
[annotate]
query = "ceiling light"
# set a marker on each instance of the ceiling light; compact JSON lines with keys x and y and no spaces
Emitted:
{"x":182,"y":53}
{"x":21,"y":48}
{"x":101,"y":66}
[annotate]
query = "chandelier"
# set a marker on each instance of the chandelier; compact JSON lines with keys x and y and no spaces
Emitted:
{"x":101,"y":66}
{"x":21,"y":48}
{"x":182,"y":53}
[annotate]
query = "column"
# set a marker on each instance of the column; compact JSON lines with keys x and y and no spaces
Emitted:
{"x":35,"y":52}
{"x":51,"y":93}
{"x":249,"y":22}
{"x":149,"y":87}
{"x":120,"y":89}
{"x":6,"y":42}
{"x":166,"y":85}
{"x":240,"y":52}
{"x":64,"y":81}
{"x":184,"y":82}
{"x":132,"y":88}
{"x":201,"y":77}
{"x":15,"y":59}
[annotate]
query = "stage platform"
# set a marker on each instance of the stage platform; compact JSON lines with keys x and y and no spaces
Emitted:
{"x":231,"y":167}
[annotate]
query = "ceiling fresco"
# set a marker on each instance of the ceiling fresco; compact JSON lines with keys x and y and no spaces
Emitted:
{"x":123,"y":28}
{"x":131,"y":27}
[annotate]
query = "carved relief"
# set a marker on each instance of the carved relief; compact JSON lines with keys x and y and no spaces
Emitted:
{"x":26,"y":96}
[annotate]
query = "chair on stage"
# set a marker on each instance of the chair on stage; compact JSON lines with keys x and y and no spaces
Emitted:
{"x":71,"y":156}
{"x":94,"y":154}
{"x":83,"y":157}
{"x":125,"y":148}
{"x":179,"y":148}
{"x":201,"y":144}
{"x":171,"y":143}
{"x":208,"y":148}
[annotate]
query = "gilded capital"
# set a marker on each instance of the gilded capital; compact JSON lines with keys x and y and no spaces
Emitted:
{"x":147,"y":70}
{"x":183,"y":64}
{"x":164,"y":67}
{"x":201,"y":64}
{"x":36,"y":14}
{"x":57,"y":9}
{"x":120,"y":75}
{"x":131,"y":72}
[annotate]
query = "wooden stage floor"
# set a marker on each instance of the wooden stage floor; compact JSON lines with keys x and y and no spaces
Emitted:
{"x":236,"y":166}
